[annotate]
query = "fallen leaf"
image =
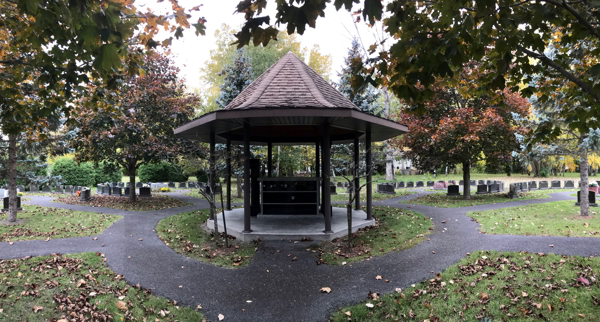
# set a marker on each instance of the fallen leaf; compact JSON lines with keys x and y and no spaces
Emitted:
{"x":121,"y":306}
{"x":550,"y":245}
{"x":221,"y":317}
{"x":585,"y":225}
{"x":378,"y":277}
{"x":398,"y":290}
{"x":37,"y":308}
{"x":370,"y":305}
{"x":484,"y":296}
{"x":248,"y":301}
{"x":348,"y":313}
{"x":524,"y":294}
{"x":325,"y":290}
{"x":581,"y":315}
{"x":81,"y":282}
{"x":538,"y":305}
{"x":583,"y":280}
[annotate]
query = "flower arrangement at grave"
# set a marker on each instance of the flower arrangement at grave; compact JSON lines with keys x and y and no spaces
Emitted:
{"x":164,"y":189}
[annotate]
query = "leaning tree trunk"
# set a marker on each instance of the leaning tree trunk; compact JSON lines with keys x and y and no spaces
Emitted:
{"x":12,"y":177}
{"x":583,"y":172}
{"x":132,"y":171}
{"x":466,"y":180}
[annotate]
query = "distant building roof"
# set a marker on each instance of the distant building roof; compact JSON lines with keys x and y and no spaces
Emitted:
{"x":290,"y":83}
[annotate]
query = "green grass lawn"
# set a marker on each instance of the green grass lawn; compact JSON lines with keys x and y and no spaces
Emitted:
{"x":443,"y":201}
{"x":156,"y":202}
{"x":396,"y":229}
{"x":184,"y":234}
{"x":45,"y":222}
{"x":560,"y":218}
{"x":49,"y":288}
{"x":376,"y":195}
{"x":493,"y":286}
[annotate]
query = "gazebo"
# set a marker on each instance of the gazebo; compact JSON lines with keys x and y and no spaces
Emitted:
{"x":289,"y":104}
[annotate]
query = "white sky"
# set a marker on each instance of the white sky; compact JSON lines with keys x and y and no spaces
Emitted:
{"x":333,"y":34}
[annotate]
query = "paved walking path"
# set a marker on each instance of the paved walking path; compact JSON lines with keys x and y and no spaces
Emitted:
{"x":281,"y":289}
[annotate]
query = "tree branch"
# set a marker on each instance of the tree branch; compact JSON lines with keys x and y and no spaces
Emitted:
{"x":577,"y":15}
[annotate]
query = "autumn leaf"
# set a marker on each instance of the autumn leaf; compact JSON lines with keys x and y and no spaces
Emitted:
{"x":37,"y":308}
{"x":325,"y":290}
{"x":121,"y":306}
{"x":221,"y":317}
{"x":378,"y":277}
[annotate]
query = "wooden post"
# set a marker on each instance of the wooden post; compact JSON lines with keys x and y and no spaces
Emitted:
{"x":247,"y":209}
{"x":369,"y":176}
{"x":318,"y":172}
{"x":228,"y":174}
{"x":357,"y":173}
{"x":212,"y":172}
{"x":270,"y":158}
{"x":326,"y":171}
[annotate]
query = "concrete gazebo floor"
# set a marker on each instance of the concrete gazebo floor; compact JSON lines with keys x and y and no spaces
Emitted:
{"x":290,"y":227}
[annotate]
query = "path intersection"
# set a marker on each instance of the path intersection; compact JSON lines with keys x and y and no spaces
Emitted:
{"x":280,"y":289}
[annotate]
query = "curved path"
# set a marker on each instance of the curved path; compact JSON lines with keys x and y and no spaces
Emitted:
{"x":281,"y":289}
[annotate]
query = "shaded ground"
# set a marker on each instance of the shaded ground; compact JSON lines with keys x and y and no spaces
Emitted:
{"x":493,"y":286}
{"x":396,"y":229}
{"x":184,"y":234}
{"x":78,"y":287}
{"x":51,"y":223}
{"x":560,"y":218}
{"x":156,"y":202}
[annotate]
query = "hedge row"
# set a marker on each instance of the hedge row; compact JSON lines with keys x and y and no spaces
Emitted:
{"x":86,"y":173}
{"x":161,"y":172}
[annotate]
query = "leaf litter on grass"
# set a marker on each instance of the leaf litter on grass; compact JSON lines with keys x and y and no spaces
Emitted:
{"x":156,"y":202}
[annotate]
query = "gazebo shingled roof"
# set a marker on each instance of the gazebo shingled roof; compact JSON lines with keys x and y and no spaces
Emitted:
{"x":290,"y":83}
{"x":289,"y":103}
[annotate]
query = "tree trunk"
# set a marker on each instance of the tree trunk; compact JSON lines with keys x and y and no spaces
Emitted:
{"x":389,"y":158}
{"x":466,"y":181}
{"x":278,"y":158}
{"x":583,"y":172}
{"x":12,"y":177}
{"x":535,"y":166}
{"x":132,"y":171}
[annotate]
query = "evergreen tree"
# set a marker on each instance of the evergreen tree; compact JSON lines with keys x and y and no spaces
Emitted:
{"x":238,"y":76}
{"x":366,"y":98}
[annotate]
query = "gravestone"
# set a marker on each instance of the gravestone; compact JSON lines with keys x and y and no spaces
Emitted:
{"x":472,"y":183}
{"x":126,"y":191}
{"x":410,"y":184}
{"x":98,"y":189}
{"x":532,"y":185}
{"x":46,"y":189}
{"x":171,"y":185}
{"x":138,"y":184}
{"x":493,"y":188}
{"x":332,"y":189}
{"x":440,"y":186}
{"x":116,"y":191}
{"x":59,"y":189}
{"x":386,"y":188}
{"x":451,"y":182}
{"x":6,"y":204}
{"x":514,"y":190}
{"x":442,"y":181}
{"x":3,"y":193}
{"x":555,"y":184}
{"x":482,"y":189}
{"x":34,"y":188}
{"x":461,"y":182}
{"x":106,"y":190}
{"x":524,"y":186}
{"x":400,"y":184}
{"x":145,"y":192}
{"x":569,"y":184}
{"x":420,"y":184}
{"x":453,"y":190}
{"x":21,"y":188}
{"x":489,"y":182}
{"x":430,"y":183}
{"x":543,"y":185}
{"x":121,"y":185}
{"x":182,"y":185}
{"x":480,"y":182}
{"x":114,"y":184}
{"x":85,"y":194}
{"x":591,"y":199}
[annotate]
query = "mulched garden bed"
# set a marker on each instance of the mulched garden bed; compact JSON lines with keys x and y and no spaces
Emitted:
{"x":142,"y":204}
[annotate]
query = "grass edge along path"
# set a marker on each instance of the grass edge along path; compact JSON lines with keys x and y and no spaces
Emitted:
{"x":396,"y":229}
{"x":559,"y":218}
{"x":185,"y":235}
{"x":58,"y":287}
{"x":493,"y":286}
{"x":52,"y":223}
{"x":441,"y":200}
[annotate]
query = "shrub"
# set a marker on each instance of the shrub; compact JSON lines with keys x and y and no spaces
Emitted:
{"x":201,"y":176}
{"x":161,"y":172}
{"x":106,"y":172}
{"x":73,"y":174}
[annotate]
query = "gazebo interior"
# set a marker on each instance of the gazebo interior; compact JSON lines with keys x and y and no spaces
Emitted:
{"x":290,"y":104}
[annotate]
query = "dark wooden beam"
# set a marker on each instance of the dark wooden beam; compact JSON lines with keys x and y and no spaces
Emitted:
{"x":212,"y":171}
{"x":357,"y":174}
{"x":270,"y":158}
{"x":228,"y":175}
{"x":318,"y":169}
{"x":369,"y":176}
{"x":326,"y":171}
{"x":247,"y":209}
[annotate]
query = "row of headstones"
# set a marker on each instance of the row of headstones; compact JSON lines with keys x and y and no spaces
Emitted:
{"x":45,"y":188}
{"x":119,"y":191}
{"x":156,"y":185}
